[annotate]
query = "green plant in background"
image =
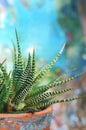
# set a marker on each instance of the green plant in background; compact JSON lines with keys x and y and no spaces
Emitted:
{"x":68,"y":12}
{"x":75,"y":50}
{"x":19,"y":89}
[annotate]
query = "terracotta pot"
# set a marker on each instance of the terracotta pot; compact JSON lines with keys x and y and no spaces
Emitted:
{"x":27,"y":121}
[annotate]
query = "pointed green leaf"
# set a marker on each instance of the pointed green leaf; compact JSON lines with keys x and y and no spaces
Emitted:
{"x":40,"y":97}
{"x":42,"y":105}
{"x":20,"y":62}
{"x":47,"y":68}
{"x":44,"y":88}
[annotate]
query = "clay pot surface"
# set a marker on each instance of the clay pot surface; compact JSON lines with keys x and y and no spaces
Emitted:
{"x":9,"y":119}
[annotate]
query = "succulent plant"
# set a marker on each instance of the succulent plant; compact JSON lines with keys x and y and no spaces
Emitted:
{"x":19,"y":89}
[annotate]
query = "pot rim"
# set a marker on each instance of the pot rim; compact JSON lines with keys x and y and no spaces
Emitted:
{"x":48,"y":110}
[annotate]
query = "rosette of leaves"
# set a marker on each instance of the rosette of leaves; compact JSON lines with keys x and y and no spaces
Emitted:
{"x":20,"y":90}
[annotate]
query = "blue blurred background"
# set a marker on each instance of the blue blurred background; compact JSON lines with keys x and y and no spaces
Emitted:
{"x":46,"y":25}
{"x":36,"y":23}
